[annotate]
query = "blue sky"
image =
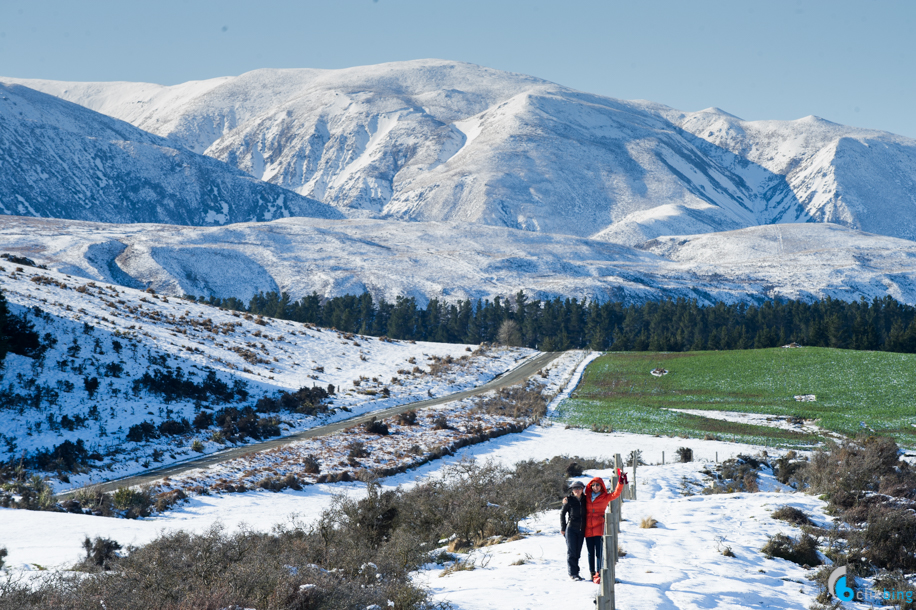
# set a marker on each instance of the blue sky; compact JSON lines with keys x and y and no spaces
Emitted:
{"x":849,"y":62}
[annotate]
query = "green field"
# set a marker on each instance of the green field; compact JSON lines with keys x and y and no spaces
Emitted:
{"x":877,"y":388}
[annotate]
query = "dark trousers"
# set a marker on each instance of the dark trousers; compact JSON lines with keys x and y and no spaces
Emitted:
{"x":595,"y":547}
{"x":574,"y":540}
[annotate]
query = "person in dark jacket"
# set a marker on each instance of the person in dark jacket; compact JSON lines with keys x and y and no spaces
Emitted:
{"x":572,"y":527}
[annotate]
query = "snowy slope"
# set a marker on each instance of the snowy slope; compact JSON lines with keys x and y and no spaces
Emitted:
{"x":675,"y":566}
{"x":453,"y":261}
{"x":61,"y":160}
{"x":441,"y":140}
{"x":114,"y":335}
{"x":861,"y":178}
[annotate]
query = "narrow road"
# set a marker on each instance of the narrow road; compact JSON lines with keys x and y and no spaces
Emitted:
{"x":509,"y":378}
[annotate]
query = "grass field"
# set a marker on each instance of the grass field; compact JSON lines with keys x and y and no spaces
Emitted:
{"x":852,"y":387}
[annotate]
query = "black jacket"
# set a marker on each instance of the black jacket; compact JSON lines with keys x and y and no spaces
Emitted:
{"x":575,"y":509}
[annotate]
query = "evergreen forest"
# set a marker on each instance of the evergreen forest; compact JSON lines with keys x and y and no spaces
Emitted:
{"x":559,"y":324}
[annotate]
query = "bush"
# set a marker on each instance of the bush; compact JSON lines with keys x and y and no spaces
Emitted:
{"x":377,"y":427}
{"x":134,"y":502}
{"x":407,"y":418}
{"x":734,"y":475}
{"x":101,"y":553}
{"x":574,"y":470}
{"x":141,"y":432}
{"x":311,"y":465}
{"x":203,"y":420}
{"x":648,"y":523}
{"x":888,"y":538}
{"x":634,"y":458}
{"x":792,"y":515}
{"x":171,"y":427}
{"x":3,"y":554}
{"x":802,"y":550}
{"x":358,"y":450}
{"x":685,"y":454}
{"x":66,"y":457}
{"x":440,"y":423}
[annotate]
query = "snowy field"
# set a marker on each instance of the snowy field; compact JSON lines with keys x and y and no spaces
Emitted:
{"x":676,"y":565}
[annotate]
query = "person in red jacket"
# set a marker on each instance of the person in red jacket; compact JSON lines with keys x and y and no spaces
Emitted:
{"x":596,"y":500}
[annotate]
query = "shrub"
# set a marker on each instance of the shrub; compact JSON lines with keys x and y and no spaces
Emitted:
{"x":311,"y":465}
{"x":440,"y":423}
{"x":197,"y":446}
{"x":3,"y":554}
{"x":574,"y":470}
{"x":648,"y":523}
{"x":801,"y":550}
{"x":358,"y":450}
{"x":685,"y":454}
{"x":634,"y":458}
{"x":134,"y":502}
{"x":377,"y":427}
{"x":171,"y":427}
{"x":407,"y":418}
{"x":792,"y":515}
{"x":203,"y":420}
{"x":888,"y":538}
{"x":143,"y":431}
{"x":66,"y":457}
{"x":101,"y":553}
{"x":735,"y":474}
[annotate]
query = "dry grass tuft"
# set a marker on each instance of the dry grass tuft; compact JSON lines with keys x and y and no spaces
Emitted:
{"x":648,"y":523}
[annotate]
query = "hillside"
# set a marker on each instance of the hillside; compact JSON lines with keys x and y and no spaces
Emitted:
{"x":456,"y":261}
{"x":436,"y":140}
{"x":61,"y":160}
{"x":123,"y":380}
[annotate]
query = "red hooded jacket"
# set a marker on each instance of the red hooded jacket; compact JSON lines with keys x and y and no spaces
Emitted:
{"x":594,"y":509}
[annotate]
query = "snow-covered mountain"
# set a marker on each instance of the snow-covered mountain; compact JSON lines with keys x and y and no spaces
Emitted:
{"x":449,"y":141}
{"x":455,"y":261}
{"x":61,"y":160}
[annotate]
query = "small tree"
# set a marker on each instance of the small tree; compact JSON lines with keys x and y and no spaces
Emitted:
{"x":509,"y":334}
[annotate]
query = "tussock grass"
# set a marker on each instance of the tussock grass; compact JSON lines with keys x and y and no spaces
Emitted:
{"x":648,"y":523}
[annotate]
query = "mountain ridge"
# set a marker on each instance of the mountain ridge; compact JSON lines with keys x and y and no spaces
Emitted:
{"x":435,"y":140}
{"x":62,"y":160}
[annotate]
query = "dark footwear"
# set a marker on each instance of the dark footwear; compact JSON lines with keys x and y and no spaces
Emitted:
{"x":575,"y":577}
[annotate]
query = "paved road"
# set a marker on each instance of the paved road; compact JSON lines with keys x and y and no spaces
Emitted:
{"x":509,"y":378}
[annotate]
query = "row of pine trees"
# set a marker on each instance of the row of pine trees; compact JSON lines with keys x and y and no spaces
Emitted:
{"x":559,"y":324}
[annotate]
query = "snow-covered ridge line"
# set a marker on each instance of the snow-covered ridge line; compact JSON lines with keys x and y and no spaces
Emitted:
{"x":61,"y":160}
{"x":450,"y":141}
{"x":455,"y":261}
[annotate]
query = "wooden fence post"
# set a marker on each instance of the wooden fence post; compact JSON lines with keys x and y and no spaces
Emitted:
{"x":606,"y":600}
{"x":633,"y":484}
{"x":663,"y":458}
{"x":618,"y":463}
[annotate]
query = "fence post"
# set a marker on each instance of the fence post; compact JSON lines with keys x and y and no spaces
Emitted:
{"x":606,"y":600}
{"x":618,"y":463}
{"x":633,"y":488}
{"x":663,"y":458}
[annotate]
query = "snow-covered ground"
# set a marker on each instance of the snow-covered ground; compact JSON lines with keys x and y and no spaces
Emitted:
{"x":675,"y":566}
{"x":115,"y":335}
